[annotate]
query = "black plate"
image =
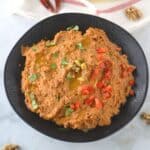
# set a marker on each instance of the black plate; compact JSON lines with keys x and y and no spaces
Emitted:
{"x":47,"y":29}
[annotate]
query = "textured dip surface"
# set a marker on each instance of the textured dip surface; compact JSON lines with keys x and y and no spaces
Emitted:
{"x":78,"y":80}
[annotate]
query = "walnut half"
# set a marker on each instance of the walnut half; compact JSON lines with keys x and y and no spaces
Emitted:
{"x":10,"y":147}
{"x":133,"y":13}
{"x":146,"y":117}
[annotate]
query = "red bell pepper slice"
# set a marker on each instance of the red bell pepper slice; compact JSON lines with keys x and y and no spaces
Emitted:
{"x":131,"y":82}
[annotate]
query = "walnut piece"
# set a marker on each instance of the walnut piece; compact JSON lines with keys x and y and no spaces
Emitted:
{"x":146,"y":117}
{"x":10,"y":147}
{"x":133,"y":13}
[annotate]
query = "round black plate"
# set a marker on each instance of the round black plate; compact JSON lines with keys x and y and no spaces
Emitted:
{"x":47,"y":29}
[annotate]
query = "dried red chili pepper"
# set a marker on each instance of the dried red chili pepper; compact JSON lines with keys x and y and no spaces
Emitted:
{"x":58,"y":3}
{"x":47,"y":4}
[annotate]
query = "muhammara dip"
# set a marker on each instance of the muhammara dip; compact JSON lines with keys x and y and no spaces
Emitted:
{"x":76,"y":80}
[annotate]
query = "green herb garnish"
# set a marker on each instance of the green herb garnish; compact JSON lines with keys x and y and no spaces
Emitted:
{"x":55,"y":55}
{"x":32,"y":77}
{"x":34,"y":105}
{"x":75,"y":28}
{"x":80,"y":46}
{"x":34,"y":48}
{"x":33,"y":101}
{"x":70,"y":76}
{"x":68,"y":111}
{"x":32,"y":97}
{"x":64,"y":62}
{"x":50,"y":43}
{"x":53,"y":66}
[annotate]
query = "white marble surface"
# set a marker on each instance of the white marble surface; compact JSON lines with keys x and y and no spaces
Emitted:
{"x":135,"y":136}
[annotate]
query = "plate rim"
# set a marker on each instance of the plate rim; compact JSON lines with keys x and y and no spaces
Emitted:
{"x":62,"y":139}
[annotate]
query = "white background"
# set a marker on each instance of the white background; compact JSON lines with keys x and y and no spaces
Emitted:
{"x":135,"y":136}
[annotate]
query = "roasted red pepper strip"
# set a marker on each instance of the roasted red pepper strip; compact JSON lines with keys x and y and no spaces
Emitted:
{"x":107,"y":89}
{"x":75,"y":106}
{"x":108,"y":74}
{"x":100,"y":56}
{"x":89,"y":101}
{"x":124,"y":72}
{"x":100,"y":84}
{"x":95,"y":73}
{"x":72,"y":106}
{"x":130,"y":69}
{"x":131,"y":82}
{"x":101,"y":50}
{"x":106,"y":95}
{"x":108,"y":64}
{"x":102,"y":65}
{"x":87,"y":89}
{"x":98,"y":103}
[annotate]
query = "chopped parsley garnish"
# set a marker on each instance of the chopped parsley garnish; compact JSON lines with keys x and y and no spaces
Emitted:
{"x":64,"y":62}
{"x":34,"y":105}
{"x":68,"y":111}
{"x":55,"y":55}
{"x":32,"y":97}
{"x":34,"y":48}
{"x":32,"y":77}
{"x":53,"y":66}
{"x":50,"y":43}
{"x":80,"y":46}
{"x":70,"y":76}
{"x":33,"y":101}
{"x":75,"y":28}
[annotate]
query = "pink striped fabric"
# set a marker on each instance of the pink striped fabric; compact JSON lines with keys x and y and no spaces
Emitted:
{"x":108,"y":10}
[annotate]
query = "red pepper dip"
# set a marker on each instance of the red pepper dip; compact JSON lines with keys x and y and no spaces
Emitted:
{"x":77,"y":80}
